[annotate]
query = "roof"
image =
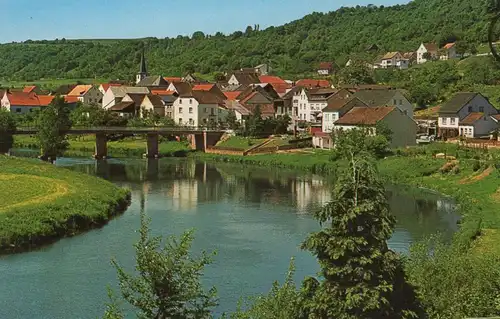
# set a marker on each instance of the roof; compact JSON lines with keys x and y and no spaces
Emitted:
{"x":172,"y":79}
{"x":156,"y":100}
{"x":71,"y":99}
{"x":123,"y":106}
{"x":153,"y":81}
{"x":204,"y":97}
{"x":45,"y":100}
{"x":203,"y":87}
{"x":335,"y":105}
{"x":121,"y":91}
{"x":281,"y":88}
{"x":365,"y":115}
{"x":182,"y":88}
{"x":325,"y":66}
{"x":143,"y":69}
{"x":431,"y":46}
{"x":232,"y":95}
{"x":428,"y":113}
{"x":457,"y":102}
{"x":375,"y":97}
{"x":293,"y":90}
{"x":449,"y":46}
{"x":271,"y":79}
{"x":310,"y":83}
{"x":28,"y":99}
{"x":80,"y":90}
{"x":246,"y":78}
{"x":137,"y":98}
{"x":28,"y":89}
{"x":162,"y":92}
{"x":265,"y":109}
{"x":237,"y":107}
{"x":471,"y":118}
{"x":106,"y":86}
{"x":408,"y":55}
{"x":390,"y":55}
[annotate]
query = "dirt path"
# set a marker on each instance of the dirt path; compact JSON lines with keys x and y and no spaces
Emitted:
{"x":60,"y":188}
{"x":477,"y":178}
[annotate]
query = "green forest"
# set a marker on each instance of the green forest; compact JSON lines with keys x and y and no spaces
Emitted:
{"x":292,"y":49}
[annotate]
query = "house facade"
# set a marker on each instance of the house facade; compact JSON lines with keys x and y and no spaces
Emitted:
{"x":325,"y":68}
{"x":448,"y":52}
{"x":115,"y":94}
{"x":386,"y":97}
{"x":465,"y":110}
{"x":87,"y":94}
{"x":424,"y":49}
{"x":394,"y":60}
{"x":22,"y":102}
{"x":337,"y":108}
{"x":196,"y":109}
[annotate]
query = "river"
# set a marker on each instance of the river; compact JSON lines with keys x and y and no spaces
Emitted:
{"x":254,"y":218}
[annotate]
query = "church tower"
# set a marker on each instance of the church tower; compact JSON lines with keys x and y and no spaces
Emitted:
{"x":143,"y":72}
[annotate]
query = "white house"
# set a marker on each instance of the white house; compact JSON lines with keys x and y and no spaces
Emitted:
{"x":386,"y":97}
{"x":394,"y":60}
{"x":449,"y":51}
{"x":403,"y":128}
{"x":22,"y":102}
{"x":325,"y":68}
{"x":466,"y":109}
{"x":197,"y":109}
{"x":115,"y":94}
{"x":430,"y":48}
{"x":335,"y":109}
{"x":87,"y":94}
{"x":310,"y":102}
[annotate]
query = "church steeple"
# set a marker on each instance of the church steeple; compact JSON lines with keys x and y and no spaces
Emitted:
{"x":143,"y":72}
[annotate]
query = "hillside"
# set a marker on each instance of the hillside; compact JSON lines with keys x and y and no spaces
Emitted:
{"x":292,"y":49}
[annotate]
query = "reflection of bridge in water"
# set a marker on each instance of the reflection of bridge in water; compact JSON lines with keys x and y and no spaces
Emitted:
{"x":200,"y":138}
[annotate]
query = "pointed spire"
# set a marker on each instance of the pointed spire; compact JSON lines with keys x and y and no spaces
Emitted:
{"x":143,"y":64}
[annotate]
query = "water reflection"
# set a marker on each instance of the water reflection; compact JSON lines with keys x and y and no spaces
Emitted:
{"x":190,"y":183}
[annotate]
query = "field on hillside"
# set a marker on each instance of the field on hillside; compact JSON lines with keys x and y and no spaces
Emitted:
{"x":40,"y":203}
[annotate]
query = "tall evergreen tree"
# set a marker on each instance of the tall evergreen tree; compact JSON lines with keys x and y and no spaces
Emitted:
{"x":362,"y":278}
{"x":7,"y":126}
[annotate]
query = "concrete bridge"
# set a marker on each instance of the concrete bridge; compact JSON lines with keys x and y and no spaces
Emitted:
{"x":201,"y":138}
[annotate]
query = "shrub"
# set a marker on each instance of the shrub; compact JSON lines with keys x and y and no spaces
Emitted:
{"x":476,"y":166}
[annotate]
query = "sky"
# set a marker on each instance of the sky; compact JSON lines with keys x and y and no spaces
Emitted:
{"x":98,"y":19}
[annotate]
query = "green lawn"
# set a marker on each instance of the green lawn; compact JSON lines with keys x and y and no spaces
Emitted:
{"x":40,"y":203}
{"x":50,"y":83}
{"x":242,"y":143}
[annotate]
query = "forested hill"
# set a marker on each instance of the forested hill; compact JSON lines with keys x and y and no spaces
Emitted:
{"x":291,"y":49}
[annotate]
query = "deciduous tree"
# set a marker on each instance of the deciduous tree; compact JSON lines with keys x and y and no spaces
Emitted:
{"x":53,"y":124}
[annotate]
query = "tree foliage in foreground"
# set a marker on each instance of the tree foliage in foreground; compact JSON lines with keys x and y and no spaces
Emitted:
{"x":7,"y":126}
{"x":167,"y":284}
{"x":53,"y":124}
{"x":360,"y":276}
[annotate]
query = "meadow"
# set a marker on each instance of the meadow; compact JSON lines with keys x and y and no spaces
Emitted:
{"x":41,"y":203}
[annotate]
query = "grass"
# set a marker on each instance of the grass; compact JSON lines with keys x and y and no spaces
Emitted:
{"x":127,"y":147}
{"x":41,"y":203}
{"x":242,"y":143}
{"x":50,"y":83}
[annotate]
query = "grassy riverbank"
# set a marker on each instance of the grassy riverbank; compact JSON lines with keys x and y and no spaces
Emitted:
{"x":127,"y":147}
{"x":477,"y":191}
{"x":41,"y":203}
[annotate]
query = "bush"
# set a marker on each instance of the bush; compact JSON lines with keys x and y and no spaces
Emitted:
{"x":476,"y":166}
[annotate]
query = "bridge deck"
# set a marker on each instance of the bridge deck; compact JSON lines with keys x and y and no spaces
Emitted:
{"x":125,"y":130}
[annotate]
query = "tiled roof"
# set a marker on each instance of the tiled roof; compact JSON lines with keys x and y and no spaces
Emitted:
{"x":390,"y":55}
{"x":267,"y":110}
{"x":162,"y":92}
{"x":71,"y":99}
{"x":156,"y":100}
{"x":431,"y":47}
{"x":45,"y":100}
{"x":281,"y":88}
{"x":376,"y":97}
{"x":236,"y":106}
{"x":232,"y":95}
{"x":335,"y":105}
{"x":203,"y":87}
{"x":24,"y":99}
{"x":123,"y":106}
{"x":246,"y":78}
{"x":365,"y":115}
{"x":153,"y":81}
{"x":106,"y":86}
{"x":457,"y":102}
{"x":121,"y":91}
{"x":471,"y":118}
{"x":325,"y":66}
{"x":271,"y":79}
{"x":29,"y":89}
{"x":449,"y":46}
{"x":309,"y":83}
{"x":137,"y":98}
{"x":204,"y":97}
{"x":80,"y":90}
{"x":248,"y":97}
{"x":183,"y":88}
{"x":171,"y":79}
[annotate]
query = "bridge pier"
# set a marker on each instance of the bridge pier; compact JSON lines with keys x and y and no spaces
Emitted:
{"x":153,"y":140}
{"x":101,"y":146}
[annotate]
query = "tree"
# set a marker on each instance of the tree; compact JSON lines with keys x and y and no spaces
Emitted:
{"x":255,"y":124}
{"x":232,"y":120}
{"x":355,"y":74}
{"x":361,"y":277}
{"x":53,"y":124}
{"x":427,"y":56}
{"x":167,"y":284}
{"x":89,"y":115}
{"x":7,"y":127}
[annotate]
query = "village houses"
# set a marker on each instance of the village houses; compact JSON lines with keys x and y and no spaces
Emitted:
{"x":394,"y":60}
{"x":198,"y":108}
{"x":448,"y":52}
{"x":425,"y":51}
{"x":87,"y":94}
{"x":386,"y":97}
{"x":467,"y":114}
{"x":326,"y":68}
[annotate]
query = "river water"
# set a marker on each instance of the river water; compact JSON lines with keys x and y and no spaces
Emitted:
{"x":254,"y":218}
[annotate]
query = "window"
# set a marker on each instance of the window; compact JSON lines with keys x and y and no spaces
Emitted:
{"x":395,"y":102}
{"x":327,"y":117}
{"x":180,"y":121}
{"x":206,"y":110}
{"x":470,"y":108}
{"x":452,"y":121}
{"x":190,"y":101}
{"x":212,"y":111}
{"x":18,"y":110}
{"x":190,"y":110}
{"x":400,"y":102}
{"x":481,"y":109}
{"x":191,"y":122}
{"x":180,"y":101}
{"x":180,"y":110}
{"x":405,"y":112}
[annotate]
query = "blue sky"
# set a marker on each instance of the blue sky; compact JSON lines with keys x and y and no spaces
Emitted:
{"x":50,"y":19}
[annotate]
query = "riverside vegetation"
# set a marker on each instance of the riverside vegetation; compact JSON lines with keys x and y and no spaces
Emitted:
{"x":42,"y":203}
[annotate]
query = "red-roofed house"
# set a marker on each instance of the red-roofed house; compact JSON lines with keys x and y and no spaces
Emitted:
{"x":233,"y":95}
{"x":29,"y":89}
{"x":209,"y":87}
{"x":172,"y":79}
{"x":105,"y":86}
{"x":403,"y":128}
{"x":325,"y":68}
{"x":449,"y":51}
{"x":271,"y":79}
{"x":312,"y":84}
{"x":22,"y":102}
{"x":88,"y":94}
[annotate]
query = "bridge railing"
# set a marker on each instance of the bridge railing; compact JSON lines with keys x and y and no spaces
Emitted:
{"x":112,"y":129}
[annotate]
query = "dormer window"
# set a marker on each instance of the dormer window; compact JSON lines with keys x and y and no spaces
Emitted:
{"x":470,"y":109}
{"x":481,"y":109}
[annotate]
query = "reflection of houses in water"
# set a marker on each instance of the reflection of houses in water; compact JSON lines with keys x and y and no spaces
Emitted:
{"x":446,"y":205}
{"x":184,"y":194}
{"x":310,"y":192}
